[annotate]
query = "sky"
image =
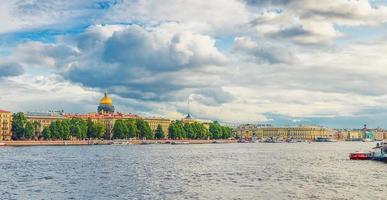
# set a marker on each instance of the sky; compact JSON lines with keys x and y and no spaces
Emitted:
{"x":283,"y":62}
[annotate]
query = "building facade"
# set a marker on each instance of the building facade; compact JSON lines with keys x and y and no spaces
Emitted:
{"x":247,"y":131}
{"x":5,"y":125}
{"x":44,"y":119}
{"x":154,"y":122}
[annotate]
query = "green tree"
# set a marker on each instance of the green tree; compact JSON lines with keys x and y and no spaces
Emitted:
{"x":159,"y":133}
{"x":18,"y":123}
{"x":90,"y":129}
{"x":119,"y":130}
{"x":132,"y":128}
{"x":216,"y":130}
{"x":144,"y":129}
{"x":37,"y":127}
{"x":46,"y":133}
{"x":226,"y":131}
{"x":176,"y":130}
{"x":65,"y":129}
{"x":100,"y":130}
{"x":54,"y":129}
{"x":201,"y":132}
{"x":29,"y":131}
{"x":189,"y":130}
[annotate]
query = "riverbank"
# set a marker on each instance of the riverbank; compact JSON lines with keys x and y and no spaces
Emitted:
{"x":106,"y":142}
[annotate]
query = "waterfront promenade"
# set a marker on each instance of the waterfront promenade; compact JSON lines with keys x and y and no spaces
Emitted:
{"x":105,"y":142}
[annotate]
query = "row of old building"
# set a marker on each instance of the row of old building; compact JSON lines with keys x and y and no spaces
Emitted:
{"x":105,"y":115}
{"x":249,"y":131}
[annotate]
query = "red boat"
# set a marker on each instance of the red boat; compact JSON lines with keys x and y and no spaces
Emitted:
{"x":360,"y":156}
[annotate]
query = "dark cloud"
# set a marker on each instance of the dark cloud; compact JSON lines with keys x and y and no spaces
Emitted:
{"x":10,"y":69}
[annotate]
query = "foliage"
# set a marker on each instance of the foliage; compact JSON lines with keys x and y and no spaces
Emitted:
{"x":29,"y":132}
{"x":176,"y":130}
{"x":159,"y":133}
{"x":18,"y":124}
{"x":46,"y":133}
{"x":144,"y":129}
{"x":120,"y":130}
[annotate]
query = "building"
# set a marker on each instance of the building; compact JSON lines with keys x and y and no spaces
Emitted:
{"x":105,"y":105}
{"x":107,"y":119}
{"x":44,"y":119}
{"x":5,"y":125}
{"x":155,"y":121}
{"x":349,"y":135}
{"x":247,"y":131}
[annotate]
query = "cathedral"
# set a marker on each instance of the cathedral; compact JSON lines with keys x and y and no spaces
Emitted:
{"x":106,"y":105}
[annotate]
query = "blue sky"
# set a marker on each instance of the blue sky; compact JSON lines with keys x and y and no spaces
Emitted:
{"x":238,"y":61}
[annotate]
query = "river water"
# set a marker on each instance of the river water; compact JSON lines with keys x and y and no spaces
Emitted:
{"x":212,"y":171}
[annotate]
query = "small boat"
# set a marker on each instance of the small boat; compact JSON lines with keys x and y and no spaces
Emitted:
{"x":360,"y":156}
{"x":324,"y":139}
{"x":2,"y":144}
{"x":176,"y":143}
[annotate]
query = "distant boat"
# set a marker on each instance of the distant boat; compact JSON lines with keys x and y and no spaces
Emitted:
{"x":380,"y":152}
{"x":324,"y":139}
{"x":360,"y":156}
{"x":2,"y":144}
{"x":176,"y":143}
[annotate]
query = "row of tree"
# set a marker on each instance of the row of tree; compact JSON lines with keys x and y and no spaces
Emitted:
{"x":122,"y":129}
{"x":132,"y":128}
{"x":60,"y":129}
{"x":195,"y":130}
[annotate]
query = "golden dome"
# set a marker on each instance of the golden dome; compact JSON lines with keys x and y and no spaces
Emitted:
{"x":106,"y":100}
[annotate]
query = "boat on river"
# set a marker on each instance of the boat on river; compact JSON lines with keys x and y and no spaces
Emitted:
{"x":324,"y":139}
{"x":360,"y":156}
{"x":379,"y":153}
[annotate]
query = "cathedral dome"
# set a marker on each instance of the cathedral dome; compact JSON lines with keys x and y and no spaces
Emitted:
{"x":106,"y":100}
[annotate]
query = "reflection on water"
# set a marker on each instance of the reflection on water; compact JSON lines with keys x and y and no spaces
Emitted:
{"x":213,"y":171}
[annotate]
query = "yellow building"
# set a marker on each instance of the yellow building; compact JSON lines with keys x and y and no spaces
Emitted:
{"x":44,"y":119}
{"x":380,"y":135}
{"x":154,"y":122}
{"x":5,"y":125}
{"x":247,"y":131}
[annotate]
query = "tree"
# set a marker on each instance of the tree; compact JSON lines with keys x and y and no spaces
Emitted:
{"x":176,"y":130}
{"x":78,"y":128}
{"x":201,"y":132}
{"x":46,"y":133}
{"x":144,"y":129}
{"x":65,"y":129}
{"x":159,"y":133}
{"x":90,"y":129}
{"x":132,"y":128}
{"x":215,"y":130}
{"x":54,"y":129}
{"x":119,"y":130}
{"x":29,"y":131}
{"x":190,"y":132}
{"x":100,"y":130}
{"x":37,"y":127}
{"x":226,"y":131}
{"x":18,"y":123}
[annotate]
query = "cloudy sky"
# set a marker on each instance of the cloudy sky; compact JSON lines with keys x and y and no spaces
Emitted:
{"x":283,"y":62}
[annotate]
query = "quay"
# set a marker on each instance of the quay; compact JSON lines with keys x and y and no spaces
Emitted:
{"x":19,"y":143}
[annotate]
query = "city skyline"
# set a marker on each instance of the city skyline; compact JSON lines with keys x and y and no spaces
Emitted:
{"x":237,"y":61}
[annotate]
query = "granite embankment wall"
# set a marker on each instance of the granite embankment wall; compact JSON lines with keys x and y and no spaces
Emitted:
{"x":102,"y":142}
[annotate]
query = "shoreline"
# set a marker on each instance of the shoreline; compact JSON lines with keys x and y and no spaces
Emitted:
{"x":20,"y":143}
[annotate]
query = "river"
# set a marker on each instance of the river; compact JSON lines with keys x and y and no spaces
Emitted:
{"x":210,"y":171}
